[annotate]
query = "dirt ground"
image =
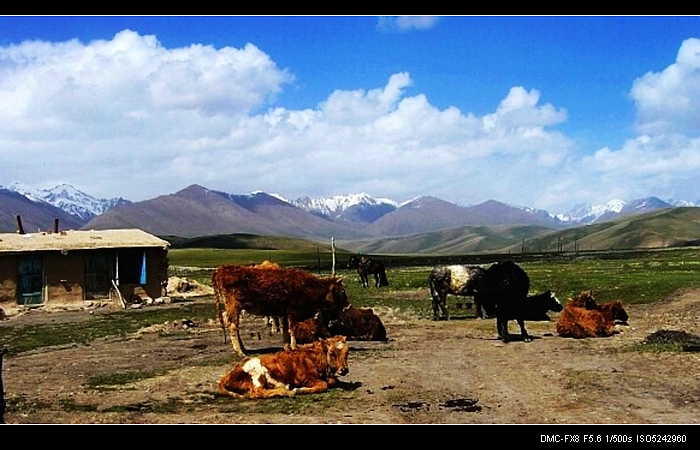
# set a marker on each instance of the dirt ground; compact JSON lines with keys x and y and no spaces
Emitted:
{"x":428,"y":372}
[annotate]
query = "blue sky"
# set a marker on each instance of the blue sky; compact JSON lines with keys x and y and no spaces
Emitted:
{"x":546,"y":112}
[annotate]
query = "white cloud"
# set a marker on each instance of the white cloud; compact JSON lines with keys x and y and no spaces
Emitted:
{"x":669,"y":101}
{"x":128,"y":117}
{"x":406,"y":23}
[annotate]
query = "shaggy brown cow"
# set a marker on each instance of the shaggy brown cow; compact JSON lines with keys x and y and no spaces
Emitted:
{"x":292,"y":294}
{"x":583,"y":317}
{"x":308,"y":369}
{"x":310,"y":330}
{"x":581,"y":323}
{"x":356,"y":324}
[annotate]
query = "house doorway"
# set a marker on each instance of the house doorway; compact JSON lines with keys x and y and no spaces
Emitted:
{"x":97,"y":276}
{"x":30,"y":280}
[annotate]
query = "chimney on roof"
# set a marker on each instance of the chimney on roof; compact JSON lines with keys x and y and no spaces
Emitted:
{"x":55,"y":225}
{"x":20,"y":228}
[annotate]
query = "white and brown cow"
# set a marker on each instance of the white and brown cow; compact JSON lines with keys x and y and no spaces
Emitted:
{"x":308,"y":369}
{"x":455,"y":280}
{"x":291,"y":294}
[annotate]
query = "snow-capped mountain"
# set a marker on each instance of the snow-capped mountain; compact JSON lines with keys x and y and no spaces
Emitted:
{"x":359,"y":207}
{"x":71,"y":200}
{"x":585,"y":213}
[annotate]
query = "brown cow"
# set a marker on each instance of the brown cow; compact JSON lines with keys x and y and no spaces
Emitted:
{"x":308,"y":369}
{"x":311,"y":330}
{"x":292,"y":294}
{"x":356,"y":324}
{"x":583,"y":317}
{"x":581,"y":323}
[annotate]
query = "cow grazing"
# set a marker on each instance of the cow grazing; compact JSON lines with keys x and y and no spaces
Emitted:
{"x":356,"y":324}
{"x":308,"y":369}
{"x":503,"y":290}
{"x":583,"y":317}
{"x":455,"y":280}
{"x":291,"y":294}
{"x":369,"y":266}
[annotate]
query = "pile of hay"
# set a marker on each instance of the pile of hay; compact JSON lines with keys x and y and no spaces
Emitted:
{"x":183,"y":287}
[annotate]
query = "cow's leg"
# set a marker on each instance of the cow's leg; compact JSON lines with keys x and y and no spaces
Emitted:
{"x":315,"y":387}
{"x":274,"y":324}
{"x":436,"y":306}
{"x":523,"y":332}
{"x":502,"y":328}
{"x":234,"y":332}
{"x":479,"y":310}
{"x":288,"y":337}
{"x":376,"y":280}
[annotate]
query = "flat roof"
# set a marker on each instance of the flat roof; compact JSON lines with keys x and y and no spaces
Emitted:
{"x":78,"y":240}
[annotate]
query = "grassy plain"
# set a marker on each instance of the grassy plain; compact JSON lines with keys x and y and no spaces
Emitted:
{"x":632,"y":277}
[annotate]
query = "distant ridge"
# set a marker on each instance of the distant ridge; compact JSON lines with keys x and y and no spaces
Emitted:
{"x":422,"y":224}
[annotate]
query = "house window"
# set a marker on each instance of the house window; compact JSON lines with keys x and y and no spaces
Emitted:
{"x":132,"y":266}
{"x":30,"y":280}
{"x":97,"y":279}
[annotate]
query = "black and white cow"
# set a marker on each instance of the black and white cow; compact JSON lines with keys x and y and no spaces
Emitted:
{"x":504,"y":289}
{"x":456,"y":280}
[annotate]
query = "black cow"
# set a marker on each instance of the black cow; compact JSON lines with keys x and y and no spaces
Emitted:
{"x":455,"y":280}
{"x":368,"y":266}
{"x":504,"y":290}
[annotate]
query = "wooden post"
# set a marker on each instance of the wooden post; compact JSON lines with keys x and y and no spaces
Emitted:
{"x":20,"y":227}
{"x":333,"y":255}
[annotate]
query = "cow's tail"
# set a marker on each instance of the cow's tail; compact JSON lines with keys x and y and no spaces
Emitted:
{"x":217,"y":301}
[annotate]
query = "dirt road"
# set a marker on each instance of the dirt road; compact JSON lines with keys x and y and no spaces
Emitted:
{"x":429,"y":372}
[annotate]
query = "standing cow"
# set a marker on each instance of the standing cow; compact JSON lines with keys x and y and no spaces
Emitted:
{"x":455,"y":280}
{"x":291,"y":294}
{"x":504,"y":290}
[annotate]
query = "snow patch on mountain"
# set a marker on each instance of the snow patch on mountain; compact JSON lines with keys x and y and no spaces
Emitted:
{"x":69,"y":199}
{"x":334,"y":206}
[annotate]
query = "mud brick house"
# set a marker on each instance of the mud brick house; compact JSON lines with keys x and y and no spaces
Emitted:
{"x":67,"y":267}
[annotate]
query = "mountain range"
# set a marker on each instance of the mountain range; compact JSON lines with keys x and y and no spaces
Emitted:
{"x":357,"y":219}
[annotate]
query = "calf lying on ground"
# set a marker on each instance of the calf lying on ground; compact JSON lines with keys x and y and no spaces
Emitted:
{"x":356,"y":324}
{"x":308,"y":369}
{"x":583,"y":317}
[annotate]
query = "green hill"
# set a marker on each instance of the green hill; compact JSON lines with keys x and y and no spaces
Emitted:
{"x":674,"y":227}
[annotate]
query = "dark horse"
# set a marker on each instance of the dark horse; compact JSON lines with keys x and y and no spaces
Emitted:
{"x":455,"y":280}
{"x":366,"y":266}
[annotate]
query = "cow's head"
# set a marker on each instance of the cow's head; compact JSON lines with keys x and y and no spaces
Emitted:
{"x":337,"y":351}
{"x":337,"y":297}
{"x":544,"y":302}
{"x":553,"y":302}
{"x":618,"y":312}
